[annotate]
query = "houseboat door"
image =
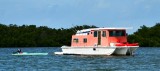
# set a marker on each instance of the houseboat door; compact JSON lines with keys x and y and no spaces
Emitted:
{"x":99,"y":37}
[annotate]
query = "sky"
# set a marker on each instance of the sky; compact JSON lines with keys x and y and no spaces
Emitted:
{"x":68,"y":13}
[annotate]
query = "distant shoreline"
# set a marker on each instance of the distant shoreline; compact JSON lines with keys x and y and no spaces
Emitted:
{"x":30,"y":35}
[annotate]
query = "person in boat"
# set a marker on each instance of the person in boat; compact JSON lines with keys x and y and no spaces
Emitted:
{"x":19,"y":51}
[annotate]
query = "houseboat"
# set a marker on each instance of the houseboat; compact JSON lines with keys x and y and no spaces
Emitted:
{"x":100,"y":41}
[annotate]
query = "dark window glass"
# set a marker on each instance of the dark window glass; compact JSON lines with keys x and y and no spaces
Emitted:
{"x":75,"y":40}
{"x":85,"y":40}
{"x":87,"y":33}
{"x":117,"y":33}
{"x":95,"y":33}
{"x":104,"y":34}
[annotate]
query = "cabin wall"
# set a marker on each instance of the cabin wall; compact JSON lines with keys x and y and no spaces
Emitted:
{"x":104,"y":40}
{"x":117,"y":39}
{"x":91,"y":40}
{"x":80,"y":40}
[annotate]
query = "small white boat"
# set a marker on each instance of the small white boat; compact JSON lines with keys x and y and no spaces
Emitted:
{"x":25,"y":53}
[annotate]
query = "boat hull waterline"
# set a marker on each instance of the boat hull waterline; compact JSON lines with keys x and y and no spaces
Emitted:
{"x":66,"y":50}
{"x":86,"y":50}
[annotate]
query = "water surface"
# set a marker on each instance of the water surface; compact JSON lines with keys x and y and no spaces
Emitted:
{"x":146,"y":59}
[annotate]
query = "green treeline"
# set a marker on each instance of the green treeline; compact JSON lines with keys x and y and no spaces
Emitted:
{"x":146,"y":36}
{"x":32,"y":36}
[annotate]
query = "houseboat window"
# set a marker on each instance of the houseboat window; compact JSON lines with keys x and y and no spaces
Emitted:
{"x":85,"y":40}
{"x":117,"y":33}
{"x":75,"y":40}
{"x":95,"y":33}
{"x":104,"y":34}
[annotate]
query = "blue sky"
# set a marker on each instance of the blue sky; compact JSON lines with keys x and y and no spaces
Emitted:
{"x":66,"y":13}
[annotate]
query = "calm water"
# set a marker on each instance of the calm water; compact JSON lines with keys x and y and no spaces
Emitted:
{"x":146,"y":59}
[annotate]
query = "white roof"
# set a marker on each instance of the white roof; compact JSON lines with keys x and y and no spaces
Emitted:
{"x":88,"y":30}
